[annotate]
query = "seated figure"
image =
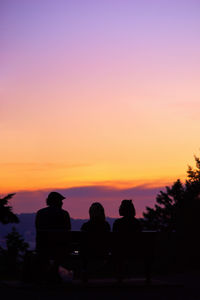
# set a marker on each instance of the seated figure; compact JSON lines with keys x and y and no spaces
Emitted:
{"x":52,"y":224}
{"x":125,"y":238}
{"x":97,"y":222}
{"x":95,"y":239}
{"x":128,"y":222}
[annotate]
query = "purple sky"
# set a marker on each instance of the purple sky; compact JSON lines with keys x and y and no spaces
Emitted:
{"x":94,"y":92}
{"x":78,"y":200}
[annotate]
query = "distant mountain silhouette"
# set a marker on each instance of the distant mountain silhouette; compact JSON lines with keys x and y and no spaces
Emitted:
{"x":26,"y":227}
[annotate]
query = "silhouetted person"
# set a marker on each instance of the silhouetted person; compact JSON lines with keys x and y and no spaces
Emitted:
{"x":128,"y":222}
{"x":125,"y":230}
{"x":52,"y":224}
{"x":95,"y":239}
{"x":97,"y":221}
{"x":53,"y":217}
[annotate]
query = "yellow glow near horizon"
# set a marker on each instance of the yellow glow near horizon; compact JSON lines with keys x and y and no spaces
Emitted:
{"x":86,"y":103}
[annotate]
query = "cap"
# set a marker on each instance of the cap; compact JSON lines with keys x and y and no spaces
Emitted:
{"x":54,"y":198}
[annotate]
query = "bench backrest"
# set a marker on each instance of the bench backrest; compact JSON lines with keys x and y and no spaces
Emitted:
{"x":137,"y":244}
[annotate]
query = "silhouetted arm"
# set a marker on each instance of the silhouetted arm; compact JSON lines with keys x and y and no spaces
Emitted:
{"x":68,"y":221}
{"x":84,"y":227}
{"x":115,"y":226}
{"x":108,"y":227}
{"x":37,"y":221}
{"x":138,"y":226}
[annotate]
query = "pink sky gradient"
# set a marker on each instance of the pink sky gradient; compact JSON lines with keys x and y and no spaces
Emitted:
{"x":97,"y":91}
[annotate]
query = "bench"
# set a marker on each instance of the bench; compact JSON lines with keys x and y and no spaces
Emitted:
{"x":76,"y":250}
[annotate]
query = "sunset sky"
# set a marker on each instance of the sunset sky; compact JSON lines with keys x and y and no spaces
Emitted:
{"x":97,"y":95}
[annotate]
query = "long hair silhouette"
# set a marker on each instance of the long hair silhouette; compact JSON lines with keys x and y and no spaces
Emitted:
{"x":96,"y":212}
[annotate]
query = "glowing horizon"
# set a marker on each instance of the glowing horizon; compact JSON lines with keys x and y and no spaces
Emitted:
{"x":98,"y":93}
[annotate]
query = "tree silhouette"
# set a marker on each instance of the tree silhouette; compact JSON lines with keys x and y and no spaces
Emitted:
{"x":178,"y":205}
{"x":15,"y":253}
{"x":15,"y":242}
{"x":6,"y":214}
{"x":163,"y":216}
{"x":194,"y":174}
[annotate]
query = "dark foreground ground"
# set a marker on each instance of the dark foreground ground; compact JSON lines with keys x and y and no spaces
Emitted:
{"x":179,"y":286}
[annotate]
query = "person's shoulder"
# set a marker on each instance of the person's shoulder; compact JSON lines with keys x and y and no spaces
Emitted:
{"x":42,"y":210}
{"x":85,"y":226}
{"x":65,"y":212}
{"x":117,"y":224}
{"x":138,"y":224}
{"x":107,"y":225}
{"x":118,"y":221}
{"x":137,"y":221}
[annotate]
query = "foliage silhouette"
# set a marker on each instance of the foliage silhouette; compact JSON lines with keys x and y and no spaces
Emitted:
{"x":15,"y":243}
{"x":6,"y":214}
{"x":176,"y":206}
{"x":12,"y":258}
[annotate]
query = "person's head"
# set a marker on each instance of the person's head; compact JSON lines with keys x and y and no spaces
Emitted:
{"x":96,"y":212}
{"x":55,"y":199}
{"x":127,"y":208}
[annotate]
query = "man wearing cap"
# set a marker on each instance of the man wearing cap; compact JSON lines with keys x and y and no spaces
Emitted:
{"x":53,"y":217}
{"x":52,"y":224}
